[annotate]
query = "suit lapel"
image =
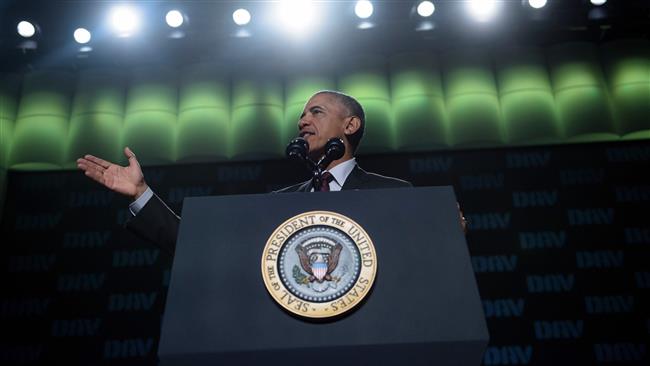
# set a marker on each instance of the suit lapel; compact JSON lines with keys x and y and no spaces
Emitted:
{"x":355,"y":180}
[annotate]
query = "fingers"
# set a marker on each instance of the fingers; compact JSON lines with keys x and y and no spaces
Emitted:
{"x":129,"y":153}
{"x":91,"y":170}
{"x":101,"y":162}
{"x":131,"y":156}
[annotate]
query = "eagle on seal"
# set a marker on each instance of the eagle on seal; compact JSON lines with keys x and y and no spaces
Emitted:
{"x":319,"y":265}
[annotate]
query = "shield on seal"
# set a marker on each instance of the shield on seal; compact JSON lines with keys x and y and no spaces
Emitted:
{"x":319,"y":269}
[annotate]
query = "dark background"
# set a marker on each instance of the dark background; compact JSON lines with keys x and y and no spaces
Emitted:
{"x":559,"y":239}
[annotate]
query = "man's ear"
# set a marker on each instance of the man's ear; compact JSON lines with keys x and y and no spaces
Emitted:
{"x":352,"y":125}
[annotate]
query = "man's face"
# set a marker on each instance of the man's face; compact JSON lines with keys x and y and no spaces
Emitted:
{"x":322,"y":118}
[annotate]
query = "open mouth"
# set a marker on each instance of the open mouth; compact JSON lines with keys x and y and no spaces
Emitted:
{"x":305,"y":134}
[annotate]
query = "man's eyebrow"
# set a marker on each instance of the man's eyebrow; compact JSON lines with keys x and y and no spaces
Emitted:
{"x":316,"y":107}
{"x":312,"y":108}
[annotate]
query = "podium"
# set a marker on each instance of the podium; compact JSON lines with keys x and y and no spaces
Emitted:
{"x":423,"y":308}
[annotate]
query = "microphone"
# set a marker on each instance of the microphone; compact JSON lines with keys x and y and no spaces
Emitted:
{"x":334,"y":150}
{"x":297,"y":149}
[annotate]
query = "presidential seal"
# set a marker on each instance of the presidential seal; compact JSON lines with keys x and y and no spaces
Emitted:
{"x":319,"y":264}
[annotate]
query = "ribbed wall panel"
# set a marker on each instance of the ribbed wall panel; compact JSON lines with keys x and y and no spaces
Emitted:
{"x":41,"y":127}
{"x":97,"y":116}
{"x":526,"y":96}
{"x":627,"y":66}
{"x":366,"y":78}
{"x":565,"y":93}
{"x":418,"y":102}
{"x":257,"y":114}
{"x":472,"y":99}
{"x":204,"y":114}
{"x":9,"y":97}
{"x":151,"y":114}
{"x":581,"y":97}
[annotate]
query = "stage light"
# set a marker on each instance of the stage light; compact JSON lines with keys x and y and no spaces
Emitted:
{"x":598,"y":2}
{"x":82,"y":35}
{"x":124,"y":20}
{"x":363,"y":9}
{"x":366,"y":25}
{"x":297,"y":16}
{"x":537,"y":4}
{"x":241,"y":16}
{"x":426,"y":9}
{"x":174,"y":18}
{"x":26,"y":29}
{"x":482,"y":10}
{"x":425,"y":26}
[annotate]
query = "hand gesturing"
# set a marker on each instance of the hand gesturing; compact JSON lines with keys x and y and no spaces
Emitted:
{"x":127,"y":180}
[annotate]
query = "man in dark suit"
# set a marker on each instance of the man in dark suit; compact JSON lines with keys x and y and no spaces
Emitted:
{"x":330,"y":114}
{"x":327,"y":114}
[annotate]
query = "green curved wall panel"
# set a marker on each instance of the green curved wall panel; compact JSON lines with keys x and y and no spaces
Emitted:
{"x":41,"y":126}
{"x":257,"y":113}
{"x":527,"y":103}
{"x":472,"y":99}
{"x":367,"y":81}
{"x":574,"y":92}
{"x":97,"y":116}
{"x":580,"y":94}
{"x":627,"y":65}
{"x":9,"y":97}
{"x":204,"y":114}
{"x":418,"y":102}
{"x":298,"y":90}
{"x":150,"y":119}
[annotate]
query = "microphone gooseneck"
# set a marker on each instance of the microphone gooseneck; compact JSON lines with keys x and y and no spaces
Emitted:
{"x":298,"y":149}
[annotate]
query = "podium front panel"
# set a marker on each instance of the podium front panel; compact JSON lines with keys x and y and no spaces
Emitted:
{"x":424,"y":304}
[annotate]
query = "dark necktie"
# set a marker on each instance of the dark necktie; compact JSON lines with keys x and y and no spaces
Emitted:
{"x":327,"y":177}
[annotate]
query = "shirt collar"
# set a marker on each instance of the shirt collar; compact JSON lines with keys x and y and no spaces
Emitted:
{"x":343,"y":170}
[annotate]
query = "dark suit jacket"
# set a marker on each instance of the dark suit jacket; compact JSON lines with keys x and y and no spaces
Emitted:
{"x":159,"y":224}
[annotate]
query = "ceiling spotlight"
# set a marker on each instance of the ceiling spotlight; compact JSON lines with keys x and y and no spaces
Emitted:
{"x":174,"y":18}
{"x":426,"y":8}
{"x":82,"y":35}
{"x":124,"y":20}
{"x":363,"y":9}
{"x":482,"y":10}
{"x":26,"y":29}
{"x":298,"y":17}
{"x":537,"y":4}
{"x":366,"y":25}
{"x":241,"y":16}
{"x":598,"y":2}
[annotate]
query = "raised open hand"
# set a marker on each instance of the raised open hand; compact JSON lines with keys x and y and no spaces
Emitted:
{"x":127,"y":180}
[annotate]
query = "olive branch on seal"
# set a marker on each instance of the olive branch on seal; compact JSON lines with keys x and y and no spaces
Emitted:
{"x":299,"y":276}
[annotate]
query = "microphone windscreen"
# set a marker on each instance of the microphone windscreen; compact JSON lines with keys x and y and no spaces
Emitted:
{"x":334,"y":148}
{"x":297,"y":148}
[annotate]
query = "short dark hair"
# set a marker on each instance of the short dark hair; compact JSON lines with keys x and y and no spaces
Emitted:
{"x":354,"y":109}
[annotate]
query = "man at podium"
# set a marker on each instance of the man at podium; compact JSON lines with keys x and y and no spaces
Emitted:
{"x":327,"y":114}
